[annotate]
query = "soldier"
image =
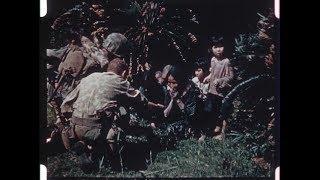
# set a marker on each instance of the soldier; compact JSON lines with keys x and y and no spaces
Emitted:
{"x":93,"y":104}
{"x":81,"y":58}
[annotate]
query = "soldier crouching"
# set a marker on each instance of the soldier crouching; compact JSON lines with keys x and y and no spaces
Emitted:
{"x":94,"y":106}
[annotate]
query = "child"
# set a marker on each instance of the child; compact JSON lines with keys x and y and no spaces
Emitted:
{"x":158,"y":76}
{"x":201,"y":71}
{"x":220,"y":75}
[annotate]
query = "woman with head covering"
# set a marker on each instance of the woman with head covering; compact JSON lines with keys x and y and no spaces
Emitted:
{"x":181,"y":102}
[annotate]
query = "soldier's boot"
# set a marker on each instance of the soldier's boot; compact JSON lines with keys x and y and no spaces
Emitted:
{"x":85,"y":163}
{"x":98,"y":157}
{"x":114,"y":157}
{"x":67,"y":136}
{"x":79,"y":148}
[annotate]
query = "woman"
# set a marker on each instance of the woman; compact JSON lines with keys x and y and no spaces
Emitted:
{"x":181,"y":102}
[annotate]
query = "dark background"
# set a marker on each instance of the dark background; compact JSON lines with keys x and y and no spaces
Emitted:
{"x":226,"y":18}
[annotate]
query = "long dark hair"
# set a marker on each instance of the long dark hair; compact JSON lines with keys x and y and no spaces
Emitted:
{"x":180,"y":75}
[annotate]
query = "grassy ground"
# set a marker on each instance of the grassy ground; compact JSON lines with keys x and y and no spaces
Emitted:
{"x":191,"y":159}
{"x":209,"y":159}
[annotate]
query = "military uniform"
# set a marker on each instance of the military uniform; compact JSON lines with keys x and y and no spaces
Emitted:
{"x":94,"y":100}
{"x":94,"y":105}
{"x":78,"y":62}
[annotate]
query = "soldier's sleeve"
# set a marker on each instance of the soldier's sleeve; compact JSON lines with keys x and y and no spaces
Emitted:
{"x":134,"y":98}
{"x":137,"y":98}
{"x":100,"y":57}
{"x":94,"y":51}
{"x":88,"y":45}
{"x":66,"y":106}
{"x":58,"y":53}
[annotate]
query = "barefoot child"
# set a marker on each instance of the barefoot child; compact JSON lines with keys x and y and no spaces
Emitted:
{"x":220,"y":75}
